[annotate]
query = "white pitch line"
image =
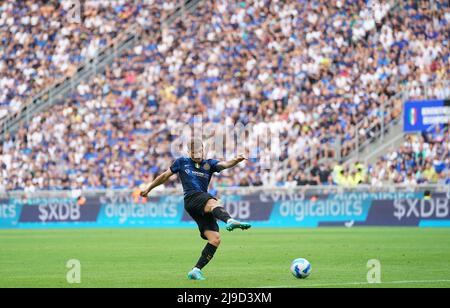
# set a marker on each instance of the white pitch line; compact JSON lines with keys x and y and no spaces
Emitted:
{"x":362,"y":283}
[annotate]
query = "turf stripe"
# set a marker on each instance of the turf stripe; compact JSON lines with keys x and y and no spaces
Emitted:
{"x":363,"y":283}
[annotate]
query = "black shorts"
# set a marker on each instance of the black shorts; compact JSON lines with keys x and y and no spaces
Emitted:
{"x":195,"y":206}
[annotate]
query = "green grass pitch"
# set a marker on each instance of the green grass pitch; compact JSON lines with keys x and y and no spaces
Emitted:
{"x":410,"y":257}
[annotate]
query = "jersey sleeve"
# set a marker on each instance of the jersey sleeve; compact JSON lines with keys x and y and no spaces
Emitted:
{"x":213,"y":163}
{"x":176,"y":166}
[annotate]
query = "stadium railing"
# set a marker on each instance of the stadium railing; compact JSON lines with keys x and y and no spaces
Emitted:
{"x":97,"y":64}
{"x":378,"y":137}
{"x":304,"y":190}
{"x":380,"y":131}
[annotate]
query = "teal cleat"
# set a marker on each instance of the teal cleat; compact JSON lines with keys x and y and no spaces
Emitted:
{"x":195,"y":274}
{"x":234,"y":224}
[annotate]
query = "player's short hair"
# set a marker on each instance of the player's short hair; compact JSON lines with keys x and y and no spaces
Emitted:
{"x":195,"y":144}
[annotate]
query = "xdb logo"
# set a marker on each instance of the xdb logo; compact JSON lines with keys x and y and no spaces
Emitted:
{"x":74,"y":273}
{"x":374,"y":273}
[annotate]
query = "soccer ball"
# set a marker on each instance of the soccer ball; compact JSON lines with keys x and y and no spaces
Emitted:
{"x":301,"y":268}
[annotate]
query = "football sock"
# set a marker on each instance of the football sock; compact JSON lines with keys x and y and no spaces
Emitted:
{"x":221,"y":214}
{"x":207,"y":254}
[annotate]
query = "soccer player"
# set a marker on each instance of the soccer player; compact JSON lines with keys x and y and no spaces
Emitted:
{"x":195,"y":173}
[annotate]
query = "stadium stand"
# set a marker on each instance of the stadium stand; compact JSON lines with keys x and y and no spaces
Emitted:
{"x":42,"y":43}
{"x":315,"y":70}
{"x":422,"y":159}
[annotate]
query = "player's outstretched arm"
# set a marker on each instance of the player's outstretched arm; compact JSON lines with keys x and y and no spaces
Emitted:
{"x":230,"y":163}
{"x":161,"y":179}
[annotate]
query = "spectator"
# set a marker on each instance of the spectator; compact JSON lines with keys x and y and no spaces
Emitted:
{"x":317,"y":71}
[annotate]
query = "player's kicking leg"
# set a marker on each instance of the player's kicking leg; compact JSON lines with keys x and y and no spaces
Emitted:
{"x":208,"y":252}
{"x":209,"y":231}
{"x":216,"y":209}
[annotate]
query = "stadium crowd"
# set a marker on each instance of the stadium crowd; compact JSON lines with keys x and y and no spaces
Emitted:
{"x":318,"y":71}
{"x":422,"y":159}
{"x":45,"y":40}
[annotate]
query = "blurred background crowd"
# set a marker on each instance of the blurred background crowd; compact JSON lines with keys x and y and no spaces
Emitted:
{"x":318,"y":72}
